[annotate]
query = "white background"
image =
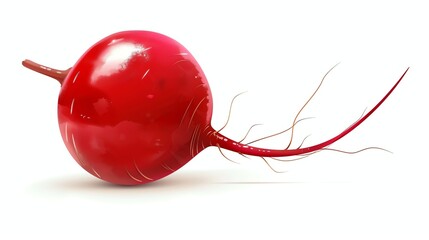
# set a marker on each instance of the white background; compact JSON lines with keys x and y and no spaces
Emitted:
{"x":277,"y":51}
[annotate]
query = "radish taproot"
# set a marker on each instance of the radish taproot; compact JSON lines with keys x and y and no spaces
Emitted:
{"x":137,"y":107}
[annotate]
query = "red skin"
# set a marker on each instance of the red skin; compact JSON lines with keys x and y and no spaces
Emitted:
{"x":136,"y":107}
{"x":127,"y":106}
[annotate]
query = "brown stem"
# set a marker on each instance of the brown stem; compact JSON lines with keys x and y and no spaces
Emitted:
{"x":59,"y":75}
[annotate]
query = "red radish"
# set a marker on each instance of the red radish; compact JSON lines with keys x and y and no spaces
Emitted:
{"x":136,"y":107}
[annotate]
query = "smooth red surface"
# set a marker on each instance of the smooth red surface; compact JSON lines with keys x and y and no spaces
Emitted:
{"x":129,"y":108}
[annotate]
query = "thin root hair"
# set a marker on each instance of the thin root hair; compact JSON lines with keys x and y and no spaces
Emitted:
{"x":271,"y":167}
{"x":306,"y":103}
{"x":227,"y":158}
{"x":302,"y":143}
{"x":248,"y":131}
{"x":357,"y":151}
{"x":278,"y":133}
{"x":230,"y":110}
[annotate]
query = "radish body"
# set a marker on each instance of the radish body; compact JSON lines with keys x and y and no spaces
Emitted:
{"x":136,"y":107}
